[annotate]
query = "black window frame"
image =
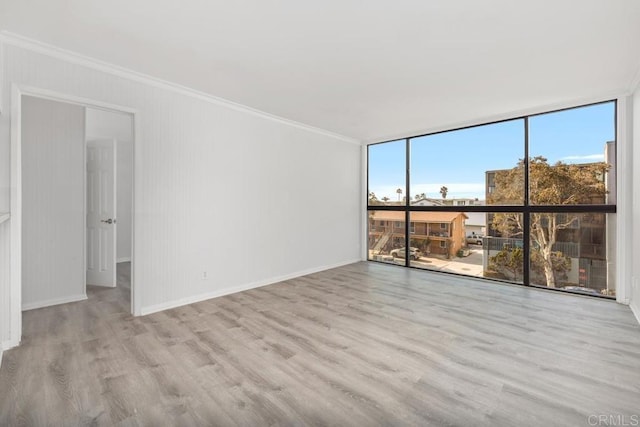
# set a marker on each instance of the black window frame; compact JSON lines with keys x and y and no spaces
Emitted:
{"x":526,"y":209}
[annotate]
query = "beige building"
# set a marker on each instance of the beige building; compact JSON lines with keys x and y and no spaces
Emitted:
{"x":434,"y":233}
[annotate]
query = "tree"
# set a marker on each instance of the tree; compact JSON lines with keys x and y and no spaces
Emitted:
{"x":385,"y":199}
{"x":420,"y":196}
{"x":444,"y":190}
{"x":510,"y":260}
{"x":558,"y":184}
{"x":423,"y":244}
{"x":399,"y":192}
{"x":561,"y":264}
{"x":373,"y":199}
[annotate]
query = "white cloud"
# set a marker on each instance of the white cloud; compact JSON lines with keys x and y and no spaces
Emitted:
{"x":589,"y":157}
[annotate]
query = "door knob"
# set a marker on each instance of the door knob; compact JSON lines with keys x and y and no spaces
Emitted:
{"x":108,"y":221}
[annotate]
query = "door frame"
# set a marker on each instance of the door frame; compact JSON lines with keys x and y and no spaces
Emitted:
{"x":15,"y":288}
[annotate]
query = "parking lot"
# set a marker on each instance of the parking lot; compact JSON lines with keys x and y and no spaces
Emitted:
{"x":470,"y":265}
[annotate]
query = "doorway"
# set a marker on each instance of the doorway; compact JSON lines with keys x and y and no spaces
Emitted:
{"x":48,"y":198}
{"x":109,"y":149}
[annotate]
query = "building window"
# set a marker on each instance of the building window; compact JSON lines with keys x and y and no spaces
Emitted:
{"x":537,"y":207}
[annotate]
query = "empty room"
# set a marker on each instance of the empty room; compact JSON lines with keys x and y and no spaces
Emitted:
{"x":413,"y":213}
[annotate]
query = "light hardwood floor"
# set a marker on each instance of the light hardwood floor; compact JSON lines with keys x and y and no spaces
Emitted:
{"x":362,"y":345}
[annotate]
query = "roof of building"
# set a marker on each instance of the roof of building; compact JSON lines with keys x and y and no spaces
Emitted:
{"x":417,"y":216}
{"x":427,"y":202}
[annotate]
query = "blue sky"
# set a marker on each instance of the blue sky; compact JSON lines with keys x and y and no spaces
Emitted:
{"x":459,"y":159}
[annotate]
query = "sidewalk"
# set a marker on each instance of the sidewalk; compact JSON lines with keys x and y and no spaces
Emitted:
{"x":471,"y":265}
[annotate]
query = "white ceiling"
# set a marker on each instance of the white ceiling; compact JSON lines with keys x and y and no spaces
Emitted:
{"x":367,"y":69}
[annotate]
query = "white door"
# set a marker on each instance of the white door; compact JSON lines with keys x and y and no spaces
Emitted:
{"x":101,"y":210}
{"x":53,"y":230}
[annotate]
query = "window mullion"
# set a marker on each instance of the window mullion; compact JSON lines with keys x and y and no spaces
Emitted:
{"x":407,"y":214}
{"x":526,"y":218}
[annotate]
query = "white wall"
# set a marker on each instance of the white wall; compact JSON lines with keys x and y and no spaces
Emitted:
{"x":247,"y":198}
{"x":124,"y":195}
{"x":110,"y":125}
{"x":635,"y":281}
{"x":53,"y":202}
{"x":5,"y":297}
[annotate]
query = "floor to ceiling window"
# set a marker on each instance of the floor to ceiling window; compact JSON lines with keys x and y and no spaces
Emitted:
{"x":530,"y":200}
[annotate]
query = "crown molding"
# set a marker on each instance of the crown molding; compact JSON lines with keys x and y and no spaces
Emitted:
{"x":17,"y":40}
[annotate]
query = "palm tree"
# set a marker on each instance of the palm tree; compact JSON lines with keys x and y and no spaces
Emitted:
{"x":444,"y":190}
{"x":399,"y":192}
{"x":385,"y":199}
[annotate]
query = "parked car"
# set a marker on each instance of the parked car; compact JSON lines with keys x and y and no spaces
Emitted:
{"x":474,"y":239}
{"x":414,"y":253}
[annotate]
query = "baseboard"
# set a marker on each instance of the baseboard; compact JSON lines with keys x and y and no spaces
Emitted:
{"x":6,"y":345}
{"x":124,"y":259}
{"x":635,"y":311}
{"x":245,"y":287}
{"x":55,"y":301}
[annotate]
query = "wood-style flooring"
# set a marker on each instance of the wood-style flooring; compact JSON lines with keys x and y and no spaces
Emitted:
{"x":361,"y":345}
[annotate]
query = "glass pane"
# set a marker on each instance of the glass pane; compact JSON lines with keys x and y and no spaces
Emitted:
{"x":503,"y":247}
{"x":386,"y":237}
{"x":573,"y":252}
{"x":467,"y":243}
{"x":457,"y":168}
{"x":387,"y":173}
{"x":572,"y":155}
